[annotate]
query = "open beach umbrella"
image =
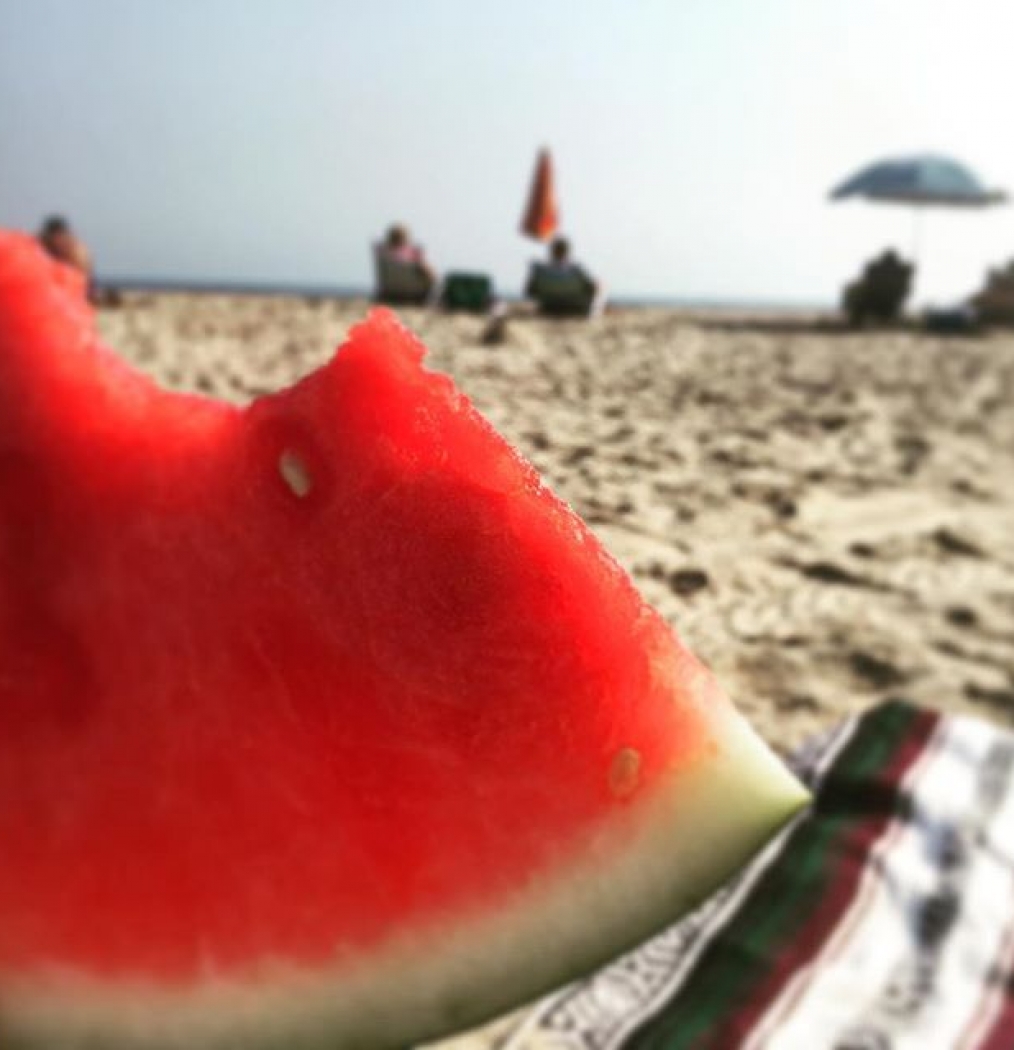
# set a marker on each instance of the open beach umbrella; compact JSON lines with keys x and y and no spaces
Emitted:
{"x":921,"y":180}
{"x":924,"y":180}
{"x":542,"y":216}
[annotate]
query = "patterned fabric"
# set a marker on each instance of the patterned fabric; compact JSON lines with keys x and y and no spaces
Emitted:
{"x":881,"y":919}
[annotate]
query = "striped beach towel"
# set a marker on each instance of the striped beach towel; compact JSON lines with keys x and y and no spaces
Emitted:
{"x":881,"y":919}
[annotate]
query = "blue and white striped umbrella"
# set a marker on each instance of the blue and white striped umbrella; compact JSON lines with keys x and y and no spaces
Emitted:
{"x":923,"y":179}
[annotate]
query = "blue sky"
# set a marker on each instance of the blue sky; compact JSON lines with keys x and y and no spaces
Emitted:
{"x":695,"y":141}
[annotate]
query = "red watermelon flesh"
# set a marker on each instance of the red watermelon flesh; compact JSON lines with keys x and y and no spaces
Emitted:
{"x":322,"y":721}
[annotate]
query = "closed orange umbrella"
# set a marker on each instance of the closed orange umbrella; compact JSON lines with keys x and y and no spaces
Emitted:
{"x":542,"y":216}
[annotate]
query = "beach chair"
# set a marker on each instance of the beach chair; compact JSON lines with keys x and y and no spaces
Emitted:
{"x":400,"y":283}
{"x":879,"y":294}
{"x":881,"y":917}
{"x":561,"y":294}
{"x":994,"y":305}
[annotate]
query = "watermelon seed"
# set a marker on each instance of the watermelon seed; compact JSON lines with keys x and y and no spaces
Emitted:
{"x":625,"y":772}
{"x":294,"y":473}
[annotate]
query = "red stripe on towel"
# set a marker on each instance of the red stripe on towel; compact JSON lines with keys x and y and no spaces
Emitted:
{"x":833,"y":906}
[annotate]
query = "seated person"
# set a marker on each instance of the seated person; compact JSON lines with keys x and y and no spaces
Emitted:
{"x":403,"y":274}
{"x":995,"y":303}
{"x":880,"y":291}
{"x":561,"y":287}
{"x":60,"y":241}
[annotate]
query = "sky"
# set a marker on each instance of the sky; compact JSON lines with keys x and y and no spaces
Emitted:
{"x":694,"y":141}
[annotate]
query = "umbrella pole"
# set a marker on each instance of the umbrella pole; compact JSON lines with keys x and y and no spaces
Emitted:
{"x":916,"y":234}
{"x":917,"y":240}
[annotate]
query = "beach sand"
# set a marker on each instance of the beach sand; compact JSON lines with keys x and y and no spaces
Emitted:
{"x":827,"y":518}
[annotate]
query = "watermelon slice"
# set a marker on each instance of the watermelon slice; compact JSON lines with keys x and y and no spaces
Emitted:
{"x":322,"y":722}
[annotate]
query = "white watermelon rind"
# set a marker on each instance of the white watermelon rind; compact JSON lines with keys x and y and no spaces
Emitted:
{"x":647,"y":865}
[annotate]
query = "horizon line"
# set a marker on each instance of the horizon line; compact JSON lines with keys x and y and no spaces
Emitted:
{"x":346,"y":292}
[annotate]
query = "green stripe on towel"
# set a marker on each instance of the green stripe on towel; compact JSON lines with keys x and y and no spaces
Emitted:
{"x":790,"y":910}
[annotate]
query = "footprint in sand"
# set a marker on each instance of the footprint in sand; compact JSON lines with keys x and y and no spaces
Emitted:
{"x":951,"y":542}
{"x":684,"y":582}
{"x":961,"y":616}
{"x":998,"y":698}
{"x":875,"y":671}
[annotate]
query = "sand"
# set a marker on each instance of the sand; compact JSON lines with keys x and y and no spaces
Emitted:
{"x":827,"y":518}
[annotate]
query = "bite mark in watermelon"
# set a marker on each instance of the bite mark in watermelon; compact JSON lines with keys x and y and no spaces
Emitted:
{"x":322,"y":721}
